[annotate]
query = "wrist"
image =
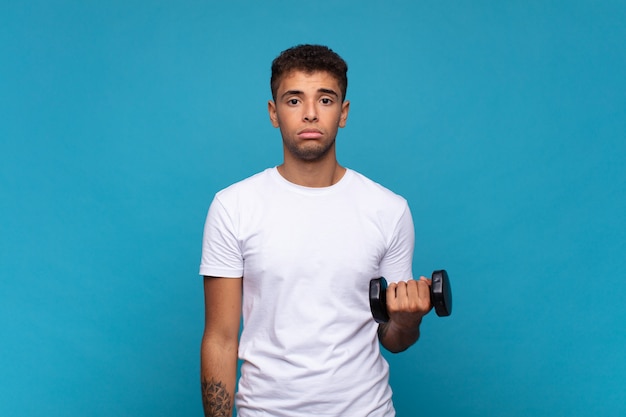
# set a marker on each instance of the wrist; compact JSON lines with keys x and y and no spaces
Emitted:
{"x":405,"y":327}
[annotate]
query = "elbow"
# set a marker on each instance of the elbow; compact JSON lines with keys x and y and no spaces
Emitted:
{"x":219,"y":342}
{"x":395,"y":349}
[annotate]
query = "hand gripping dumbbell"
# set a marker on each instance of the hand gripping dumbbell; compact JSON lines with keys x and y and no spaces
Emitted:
{"x":440,"y":296}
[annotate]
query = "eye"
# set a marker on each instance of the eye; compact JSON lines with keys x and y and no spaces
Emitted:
{"x":326,"y":100}
{"x":292,"y":101}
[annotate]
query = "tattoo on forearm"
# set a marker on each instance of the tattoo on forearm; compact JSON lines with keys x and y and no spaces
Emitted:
{"x":216,"y":399}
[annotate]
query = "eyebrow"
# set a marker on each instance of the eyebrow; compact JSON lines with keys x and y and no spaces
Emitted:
{"x":328,"y":91}
{"x":320,"y":90}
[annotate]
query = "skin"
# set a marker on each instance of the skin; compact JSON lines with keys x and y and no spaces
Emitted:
{"x":218,"y":352}
{"x":309,"y":111}
{"x":407,"y":303}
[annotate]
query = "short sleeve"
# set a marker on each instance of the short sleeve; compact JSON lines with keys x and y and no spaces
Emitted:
{"x":221,"y":253}
{"x":397,"y":264}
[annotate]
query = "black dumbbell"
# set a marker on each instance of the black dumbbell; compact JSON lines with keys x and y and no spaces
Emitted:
{"x":440,"y":296}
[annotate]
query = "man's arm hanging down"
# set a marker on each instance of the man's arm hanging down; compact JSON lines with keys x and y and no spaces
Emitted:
{"x":220,"y":341}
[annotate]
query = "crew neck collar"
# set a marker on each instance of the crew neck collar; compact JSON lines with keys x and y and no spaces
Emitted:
{"x":312,"y":190}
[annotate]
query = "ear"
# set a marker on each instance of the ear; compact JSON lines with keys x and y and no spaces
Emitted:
{"x":343,"y":118}
{"x":271,"y":109}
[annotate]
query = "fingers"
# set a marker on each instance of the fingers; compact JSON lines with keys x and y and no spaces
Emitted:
{"x":411,"y":296}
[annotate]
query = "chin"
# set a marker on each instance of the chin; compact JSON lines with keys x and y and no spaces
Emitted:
{"x":309,"y":153}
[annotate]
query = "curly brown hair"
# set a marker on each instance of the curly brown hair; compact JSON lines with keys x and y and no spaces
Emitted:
{"x":309,"y":58}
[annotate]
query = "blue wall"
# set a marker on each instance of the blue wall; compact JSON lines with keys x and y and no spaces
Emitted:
{"x":502,"y":123}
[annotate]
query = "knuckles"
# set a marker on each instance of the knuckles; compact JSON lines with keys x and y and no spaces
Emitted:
{"x":411,"y":297}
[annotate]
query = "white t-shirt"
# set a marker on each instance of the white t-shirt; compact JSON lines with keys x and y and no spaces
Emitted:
{"x":309,"y":344}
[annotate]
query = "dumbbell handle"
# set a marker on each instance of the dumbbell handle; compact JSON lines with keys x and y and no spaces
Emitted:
{"x":440,"y":296}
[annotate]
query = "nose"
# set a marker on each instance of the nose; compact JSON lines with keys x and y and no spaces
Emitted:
{"x":310,"y":113}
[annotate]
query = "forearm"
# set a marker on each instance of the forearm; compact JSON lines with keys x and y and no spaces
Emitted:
{"x":397,"y":339}
{"x":218,"y":377}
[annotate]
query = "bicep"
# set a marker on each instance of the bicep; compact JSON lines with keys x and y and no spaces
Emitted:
{"x":222,"y":304}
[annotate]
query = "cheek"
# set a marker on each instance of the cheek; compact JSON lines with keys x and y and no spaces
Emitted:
{"x":287,"y":117}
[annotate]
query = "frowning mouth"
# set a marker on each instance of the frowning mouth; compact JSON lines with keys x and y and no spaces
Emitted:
{"x":310,"y":134}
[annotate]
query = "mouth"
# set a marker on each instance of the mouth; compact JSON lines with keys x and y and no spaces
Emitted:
{"x":310,"y":134}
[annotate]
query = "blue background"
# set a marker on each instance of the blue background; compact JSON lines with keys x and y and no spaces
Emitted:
{"x":502,"y":122}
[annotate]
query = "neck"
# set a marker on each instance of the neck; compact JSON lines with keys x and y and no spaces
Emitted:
{"x":312,"y":174}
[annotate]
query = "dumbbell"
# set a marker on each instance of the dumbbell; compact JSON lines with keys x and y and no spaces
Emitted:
{"x":440,"y":296}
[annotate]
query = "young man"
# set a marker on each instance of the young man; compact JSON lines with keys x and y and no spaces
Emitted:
{"x":294,"y":247}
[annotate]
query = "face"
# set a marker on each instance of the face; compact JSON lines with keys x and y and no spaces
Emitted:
{"x":309,"y":112}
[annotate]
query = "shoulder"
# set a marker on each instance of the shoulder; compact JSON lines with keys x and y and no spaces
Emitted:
{"x":250,"y":186}
{"x":374,"y":191}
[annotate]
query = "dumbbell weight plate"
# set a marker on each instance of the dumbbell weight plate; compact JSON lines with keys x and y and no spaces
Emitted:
{"x":378,"y":299}
{"x":441,"y":293}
